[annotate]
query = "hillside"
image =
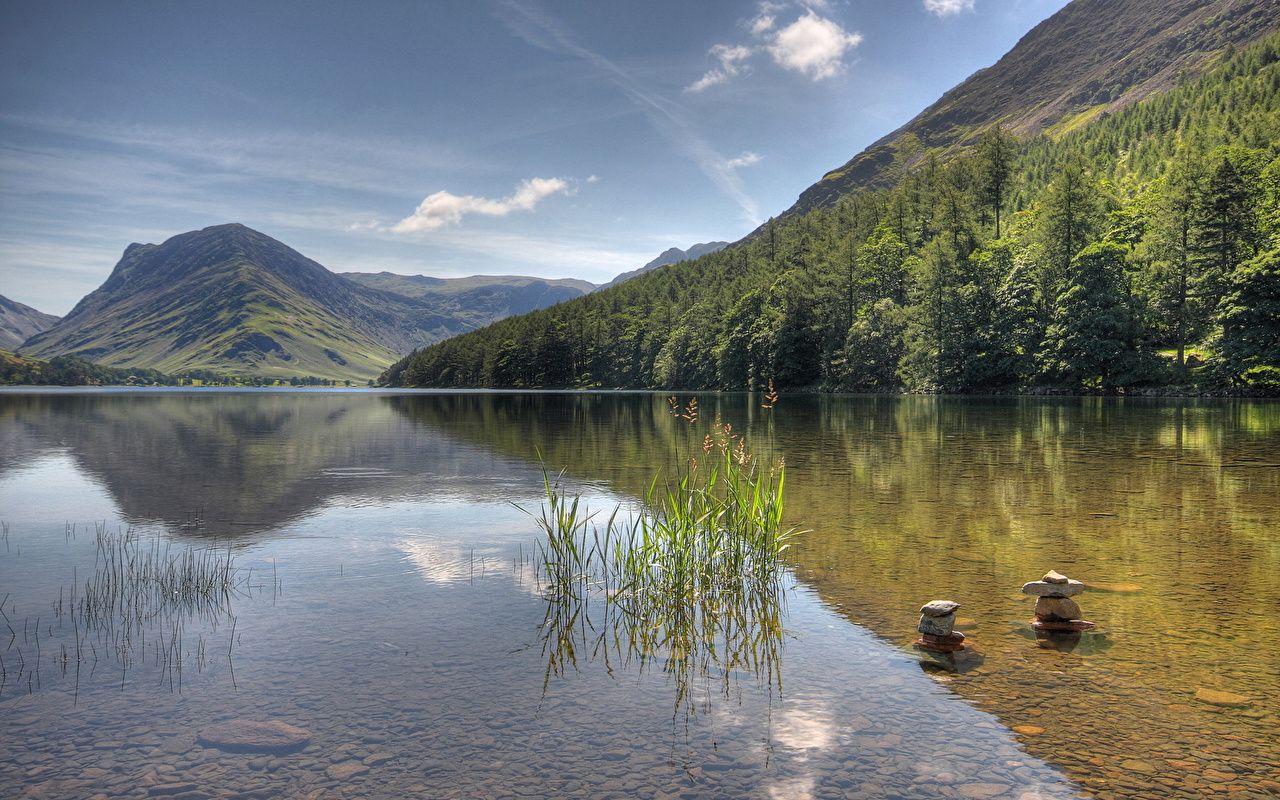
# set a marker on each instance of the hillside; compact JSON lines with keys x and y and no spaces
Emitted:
{"x":233,"y":300}
{"x":1092,"y":58}
{"x":1127,"y":250}
{"x":20,"y":322}
{"x":230,"y":298}
{"x":672,"y":255}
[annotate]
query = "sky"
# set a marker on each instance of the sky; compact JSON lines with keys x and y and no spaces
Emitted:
{"x":557,"y":138}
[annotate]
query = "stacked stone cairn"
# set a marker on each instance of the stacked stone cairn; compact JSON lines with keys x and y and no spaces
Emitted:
{"x":1056,"y":612}
{"x":937,"y":627}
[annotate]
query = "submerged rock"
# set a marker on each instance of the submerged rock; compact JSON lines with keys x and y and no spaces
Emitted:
{"x":350,"y":769}
{"x":1222,"y":699}
{"x":253,"y":736}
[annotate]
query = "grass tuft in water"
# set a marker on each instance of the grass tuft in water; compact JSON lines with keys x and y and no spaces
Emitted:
{"x":693,"y":579}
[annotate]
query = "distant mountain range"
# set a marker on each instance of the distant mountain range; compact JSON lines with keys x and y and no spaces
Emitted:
{"x":19,"y":323}
{"x":672,"y":255}
{"x":478,"y":300}
{"x":228,"y":298}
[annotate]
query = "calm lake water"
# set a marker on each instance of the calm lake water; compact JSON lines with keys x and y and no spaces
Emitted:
{"x":388,"y":604}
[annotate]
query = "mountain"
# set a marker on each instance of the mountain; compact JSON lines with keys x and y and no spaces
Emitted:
{"x":673,"y":255}
{"x":19,"y":323}
{"x":1119,"y":231}
{"x":478,"y":300}
{"x":230,"y":298}
{"x":1092,"y":58}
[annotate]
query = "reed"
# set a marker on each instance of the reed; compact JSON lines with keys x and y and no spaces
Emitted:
{"x":134,"y":606}
{"x":692,"y":579}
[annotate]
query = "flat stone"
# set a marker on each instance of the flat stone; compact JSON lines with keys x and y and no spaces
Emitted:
{"x":1042,"y":589}
{"x":1138,"y":765}
{"x":1028,"y":730}
{"x":253,"y":736}
{"x":941,"y":644}
{"x":1057,"y":609}
{"x":340,"y":772}
{"x":939,"y":608}
{"x":1217,"y":697}
{"x":981,"y":791}
{"x":937,"y":626}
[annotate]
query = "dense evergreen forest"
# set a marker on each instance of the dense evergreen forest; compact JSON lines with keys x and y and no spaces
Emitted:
{"x":1109,"y":253}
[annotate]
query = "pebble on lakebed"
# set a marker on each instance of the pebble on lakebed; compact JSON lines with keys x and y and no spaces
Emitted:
{"x":1222,"y":699}
{"x":254,"y":736}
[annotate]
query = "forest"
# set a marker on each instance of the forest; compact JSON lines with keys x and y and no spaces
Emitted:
{"x":1112,"y":252}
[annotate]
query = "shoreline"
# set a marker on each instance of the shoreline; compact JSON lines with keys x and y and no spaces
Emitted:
{"x":1149,"y":393}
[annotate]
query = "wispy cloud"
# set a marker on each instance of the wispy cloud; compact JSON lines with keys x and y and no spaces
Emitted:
{"x":445,"y":208}
{"x":947,"y":8}
{"x":747,"y":159}
{"x":545,"y":32}
{"x":731,"y":58}
{"x":366,"y":164}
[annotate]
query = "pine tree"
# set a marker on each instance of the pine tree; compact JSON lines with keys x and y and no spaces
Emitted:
{"x":1224,"y":231}
{"x":1250,"y":343}
{"x":1068,"y":220}
{"x":1090,"y":339}
{"x":1176,"y":274}
{"x":873,"y":349}
{"x":996,"y":150}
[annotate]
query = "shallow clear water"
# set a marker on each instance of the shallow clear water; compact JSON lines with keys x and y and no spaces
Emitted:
{"x":392,"y":610}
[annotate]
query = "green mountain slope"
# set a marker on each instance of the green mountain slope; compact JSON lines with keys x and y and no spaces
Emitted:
{"x":232,"y":299}
{"x":1093,"y":57}
{"x":1135,"y":247}
{"x":20,"y":322}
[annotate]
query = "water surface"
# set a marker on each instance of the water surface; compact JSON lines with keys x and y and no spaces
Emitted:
{"x":393,"y":611}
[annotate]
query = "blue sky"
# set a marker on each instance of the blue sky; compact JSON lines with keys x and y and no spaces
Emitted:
{"x":562,"y":139}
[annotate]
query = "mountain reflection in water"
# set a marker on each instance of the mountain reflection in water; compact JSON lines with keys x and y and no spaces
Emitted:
{"x":403,"y":598}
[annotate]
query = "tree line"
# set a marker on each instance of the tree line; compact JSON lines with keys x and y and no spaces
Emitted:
{"x":1110,"y":252}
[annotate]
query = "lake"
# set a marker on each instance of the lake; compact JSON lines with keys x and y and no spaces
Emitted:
{"x":387,"y":603}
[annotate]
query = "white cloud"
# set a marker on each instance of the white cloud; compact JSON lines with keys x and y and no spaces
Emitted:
{"x":731,"y":58}
{"x":946,"y":8}
{"x":747,"y":159}
{"x":445,"y":208}
{"x":813,"y":46}
{"x":761,"y":24}
{"x":593,"y":178}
